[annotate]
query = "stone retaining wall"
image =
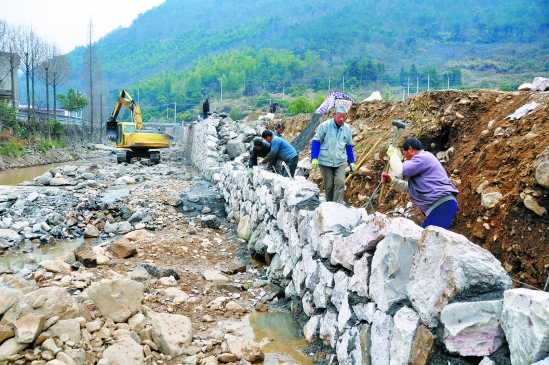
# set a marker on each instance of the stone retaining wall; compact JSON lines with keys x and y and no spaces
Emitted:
{"x":375,"y":289}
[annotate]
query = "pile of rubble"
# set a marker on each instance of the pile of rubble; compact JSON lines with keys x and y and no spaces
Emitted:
{"x":106,"y":323}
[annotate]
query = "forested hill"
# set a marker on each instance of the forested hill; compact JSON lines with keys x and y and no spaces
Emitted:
{"x":333,"y":38}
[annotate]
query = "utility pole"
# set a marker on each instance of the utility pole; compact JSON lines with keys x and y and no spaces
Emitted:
{"x":417,"y":85}
{"x":175,"y":113}
{"x":343,"y":83}
{"x":448,"y":83}
{"x":282,"y":93}
{"x":408,"y":87}
{"x":427,"y":82}
{"x":329,"y":86}
{"x":403,"y":94}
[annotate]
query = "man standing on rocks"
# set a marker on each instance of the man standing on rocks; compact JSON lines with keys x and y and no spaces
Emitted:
{"x":428,"y":183}
{"x":206,"y":108}
{"x":332,"y":149}
{"x":280,"y":150}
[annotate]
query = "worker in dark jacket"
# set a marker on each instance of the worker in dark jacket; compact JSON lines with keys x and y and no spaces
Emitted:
{"x":206,"y":108}
{"x":280,"y":150}
{"x":261,"y":148}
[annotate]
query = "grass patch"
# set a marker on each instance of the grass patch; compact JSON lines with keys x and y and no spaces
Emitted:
{"x":49,"y":144}
{"x":13,"y":147}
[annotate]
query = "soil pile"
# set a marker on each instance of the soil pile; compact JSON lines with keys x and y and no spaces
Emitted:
{"x":483,"y":150}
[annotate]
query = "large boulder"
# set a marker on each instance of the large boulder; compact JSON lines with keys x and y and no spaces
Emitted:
{"x":50,"y":302}
{"x":172,"y":333}
{"x":244,"y":349}
{"x":391,"y":266}
{"x":447,"y":266}
{"x":117,"y":299}
{"x":125,"y":351}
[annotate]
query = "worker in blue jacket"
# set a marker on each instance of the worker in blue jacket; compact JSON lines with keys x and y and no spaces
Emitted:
{"x":280,"y":150}
{"x":332,"y":149}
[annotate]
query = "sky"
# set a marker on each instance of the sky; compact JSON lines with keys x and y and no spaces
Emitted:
{"x":65,"y":23}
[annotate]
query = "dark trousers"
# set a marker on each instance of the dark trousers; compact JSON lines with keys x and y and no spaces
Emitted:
{"x":334,"y":182}
{"x":442,"y":215}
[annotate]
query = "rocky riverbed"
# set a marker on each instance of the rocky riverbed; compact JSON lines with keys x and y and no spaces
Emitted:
{"x":158,"y":279}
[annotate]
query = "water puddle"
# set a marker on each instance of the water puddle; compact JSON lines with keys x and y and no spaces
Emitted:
{"x":29,"y":254}
{"x":278,"y":335}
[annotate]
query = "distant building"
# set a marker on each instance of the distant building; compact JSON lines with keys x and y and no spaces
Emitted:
{"x":9,"y":62}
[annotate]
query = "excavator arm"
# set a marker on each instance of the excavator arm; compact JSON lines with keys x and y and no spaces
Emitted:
{"x":124,"y":99}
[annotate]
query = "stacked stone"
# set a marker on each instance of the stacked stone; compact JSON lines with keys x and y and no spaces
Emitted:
{"x":381,"y":290}
{"x":219,"y":139}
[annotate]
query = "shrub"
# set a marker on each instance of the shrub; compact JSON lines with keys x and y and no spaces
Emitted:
{"x":234,"y":114}
{"x":301,"y":105}
{"x":56,"y":128}
{"x":7,"y":117}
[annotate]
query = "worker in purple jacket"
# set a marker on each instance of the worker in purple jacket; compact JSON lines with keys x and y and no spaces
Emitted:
{"x":428,"y":183}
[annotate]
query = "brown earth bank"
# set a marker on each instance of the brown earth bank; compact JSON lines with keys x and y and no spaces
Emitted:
{"x":484,"y":151}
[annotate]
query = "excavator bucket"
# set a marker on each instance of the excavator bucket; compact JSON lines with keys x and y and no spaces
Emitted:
{"x":112,"y":132}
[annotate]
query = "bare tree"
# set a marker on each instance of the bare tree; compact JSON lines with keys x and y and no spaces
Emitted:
{"x":61,"y":69}
{"x":43,"y":73}
{"x":30,"y":48}
{"x":101,"y":97}
{"x":90,"y":71}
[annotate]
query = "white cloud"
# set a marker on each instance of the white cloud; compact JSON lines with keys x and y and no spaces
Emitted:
{"x":66,"y":22}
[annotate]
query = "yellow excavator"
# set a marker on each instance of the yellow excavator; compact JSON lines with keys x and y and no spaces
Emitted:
{"x":130,"y":137}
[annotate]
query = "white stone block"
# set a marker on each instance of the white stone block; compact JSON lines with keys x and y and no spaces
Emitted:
{"x":328,"y":328}
{"x":473,"y":328}
{"x":382,"y":334}
{"x":349,"y":348}
{"x":361,"y":274}
{"x":525,"y":321}
{"x":406,"y":322}
{"x":391,"y":267}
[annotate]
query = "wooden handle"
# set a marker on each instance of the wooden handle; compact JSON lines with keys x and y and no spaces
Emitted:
{"x":357,"y":166}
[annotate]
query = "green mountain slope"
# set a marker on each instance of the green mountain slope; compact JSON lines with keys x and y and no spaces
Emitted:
{"x":505,"y":40}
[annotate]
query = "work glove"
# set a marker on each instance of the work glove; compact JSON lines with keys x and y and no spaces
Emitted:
{"x":352,"y":167}
{"x":314,"y":163}
{"x":250,"y":173}
{"x":385,"y":178}
{"x":391,"y":151}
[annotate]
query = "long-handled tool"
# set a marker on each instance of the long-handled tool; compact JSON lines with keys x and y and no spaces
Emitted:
{"x":363,"y":159}
{"x":399,"y":124}
{"x":369,"y":202}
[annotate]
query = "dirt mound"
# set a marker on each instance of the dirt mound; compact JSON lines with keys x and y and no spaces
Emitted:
{"x":483,"y":149}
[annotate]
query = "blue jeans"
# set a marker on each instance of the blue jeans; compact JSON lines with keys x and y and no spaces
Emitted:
{"x":442,"y":215}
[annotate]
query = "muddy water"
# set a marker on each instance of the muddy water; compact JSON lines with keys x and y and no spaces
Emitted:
{"x":277,"y":332}
{"x":15,"y":176}
{"x":29,"y":254}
